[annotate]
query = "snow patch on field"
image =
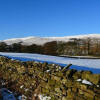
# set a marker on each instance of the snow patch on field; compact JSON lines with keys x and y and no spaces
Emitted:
{"x":91,"y":63}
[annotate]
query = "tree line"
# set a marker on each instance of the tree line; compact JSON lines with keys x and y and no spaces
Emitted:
{"x":49,"y":48}
{"x":74,"y":47}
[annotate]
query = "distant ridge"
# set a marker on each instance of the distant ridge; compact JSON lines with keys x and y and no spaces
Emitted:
{"x":43,"y":40}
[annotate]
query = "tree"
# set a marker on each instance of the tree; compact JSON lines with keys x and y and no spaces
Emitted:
{"x":61,"y":48}
{"x":16,"y":47}
{"x":3,"y":47}
{"x":88,"y":45}
{"x":50,"y":48}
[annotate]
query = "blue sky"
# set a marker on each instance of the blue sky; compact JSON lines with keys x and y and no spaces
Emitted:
{"x":22,"y":18}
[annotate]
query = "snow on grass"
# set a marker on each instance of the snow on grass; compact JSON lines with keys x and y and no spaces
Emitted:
{"x":91,"y":63}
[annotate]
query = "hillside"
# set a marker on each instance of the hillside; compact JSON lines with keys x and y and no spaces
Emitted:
{"x":42,"y":40}
{"x":80,"y":45}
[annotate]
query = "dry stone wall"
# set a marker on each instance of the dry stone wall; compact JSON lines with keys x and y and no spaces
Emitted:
{"x":35,"y":79}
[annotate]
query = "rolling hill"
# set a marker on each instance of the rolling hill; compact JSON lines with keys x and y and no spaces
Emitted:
{"x":43,"y":40}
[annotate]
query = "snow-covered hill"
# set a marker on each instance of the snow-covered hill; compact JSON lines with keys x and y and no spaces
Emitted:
{"x":43,"y":40}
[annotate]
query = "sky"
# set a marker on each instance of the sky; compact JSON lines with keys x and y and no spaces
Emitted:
{"x":45,"y":18}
